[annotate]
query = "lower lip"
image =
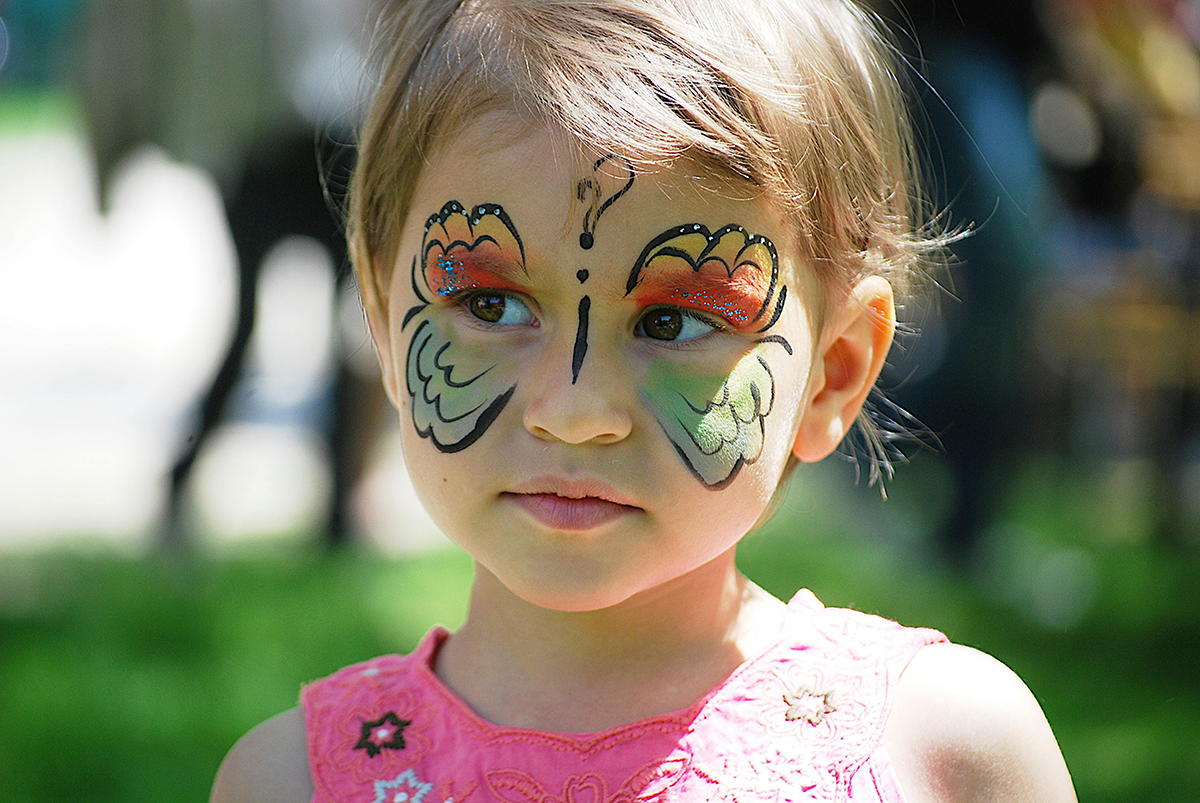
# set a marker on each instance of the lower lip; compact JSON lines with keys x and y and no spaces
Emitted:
{"x":562,"y":513}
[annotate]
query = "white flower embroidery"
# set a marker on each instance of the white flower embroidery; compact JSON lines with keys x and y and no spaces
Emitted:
{"x":776,"y":774}
{"x":801,"y":704}
{"x":808,"y":705}
{"x":787,"y":771}
{"x":404,"y":788}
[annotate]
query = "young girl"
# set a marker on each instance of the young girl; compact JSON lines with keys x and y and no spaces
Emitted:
{"x":625,"y":262}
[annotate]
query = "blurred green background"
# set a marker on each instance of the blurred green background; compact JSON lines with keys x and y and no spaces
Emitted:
{"x":127,"y":679}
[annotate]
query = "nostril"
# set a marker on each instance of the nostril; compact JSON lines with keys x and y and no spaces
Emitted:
{"x":541,"y":433}
{"x":578,"y":428}
{"x":588,"y":412}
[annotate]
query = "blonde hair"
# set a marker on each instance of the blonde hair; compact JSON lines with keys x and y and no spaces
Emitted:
{"x":797,"y":98}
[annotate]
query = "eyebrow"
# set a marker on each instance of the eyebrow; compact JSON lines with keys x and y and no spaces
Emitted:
{"x":722,"y":272}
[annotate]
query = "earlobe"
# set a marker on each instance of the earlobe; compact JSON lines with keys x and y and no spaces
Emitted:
{"x":845,"y":368}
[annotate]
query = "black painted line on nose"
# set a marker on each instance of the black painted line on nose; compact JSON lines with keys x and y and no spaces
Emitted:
{"x":585,"y":304}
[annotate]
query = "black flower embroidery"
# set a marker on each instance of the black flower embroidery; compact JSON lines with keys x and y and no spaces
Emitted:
{"x":385,"y":732}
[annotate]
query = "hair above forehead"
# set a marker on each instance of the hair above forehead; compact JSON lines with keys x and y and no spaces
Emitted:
{"x":797,"y":98}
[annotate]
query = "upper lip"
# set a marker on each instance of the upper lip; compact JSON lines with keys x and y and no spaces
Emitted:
{"x":580,"y":488}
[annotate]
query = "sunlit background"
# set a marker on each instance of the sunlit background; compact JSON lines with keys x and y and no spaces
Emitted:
{"x":203,"y":502}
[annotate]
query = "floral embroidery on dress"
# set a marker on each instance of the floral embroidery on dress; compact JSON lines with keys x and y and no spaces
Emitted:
{"x":792,"y":708}
{"x":648,"y":783}
{"x":385,"y":733}
{"x":772,"y":774}
{"x":787,"y":771}
{"x":808,"y":705}
{"x":804,"y":723}
{"x":404,"y":788}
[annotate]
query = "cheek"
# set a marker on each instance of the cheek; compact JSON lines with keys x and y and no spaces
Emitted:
{"x":455,"y":390}
{"x":441,"y":480}
{"x":715,"y":421}
{"x":705,"y":524}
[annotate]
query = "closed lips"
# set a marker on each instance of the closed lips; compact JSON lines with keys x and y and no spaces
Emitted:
{"x":570,"y":509}
{"x":573,"y":489}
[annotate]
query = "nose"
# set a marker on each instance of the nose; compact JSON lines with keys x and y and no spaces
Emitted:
{"x":592,"y":409}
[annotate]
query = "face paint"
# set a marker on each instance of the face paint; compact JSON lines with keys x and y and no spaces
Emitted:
{"x":585,"y":188}
{"x":581,"y":333}
{"x":715,"y":421}
{"x":599,"y":204}
{"x":728,"y":273}
{"x":459,"y":246}
{"x":451,"y":275}
{"x":455,"y":390}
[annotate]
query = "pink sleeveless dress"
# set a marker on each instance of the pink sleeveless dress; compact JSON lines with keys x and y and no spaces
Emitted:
{"x":803,"y":721}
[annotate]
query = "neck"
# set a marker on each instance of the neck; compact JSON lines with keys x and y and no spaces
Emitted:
{"x":520,"y":664}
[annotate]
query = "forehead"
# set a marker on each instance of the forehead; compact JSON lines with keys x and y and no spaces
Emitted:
{"x":535,"y":174}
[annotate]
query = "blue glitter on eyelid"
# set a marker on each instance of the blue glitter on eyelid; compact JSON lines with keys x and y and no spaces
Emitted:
{"x":450,"y":266}
{"x":716,"y":305}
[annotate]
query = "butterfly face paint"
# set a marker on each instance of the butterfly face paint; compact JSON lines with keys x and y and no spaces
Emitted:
{"x":714,"y":419}
{"x":457,"y":390}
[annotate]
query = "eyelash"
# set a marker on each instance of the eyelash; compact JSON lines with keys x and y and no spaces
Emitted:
{"x":461,"y":302}
{"x":719,"y":325}
{"x":715,"y":321}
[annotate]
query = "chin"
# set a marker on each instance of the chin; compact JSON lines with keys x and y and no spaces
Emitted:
{"x":571,"y":591}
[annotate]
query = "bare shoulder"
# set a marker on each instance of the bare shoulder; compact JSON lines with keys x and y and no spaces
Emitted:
{"x":267,"y":765}
{"x":965,"y":729}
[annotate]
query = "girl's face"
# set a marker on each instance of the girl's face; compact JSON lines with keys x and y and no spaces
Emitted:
{"x":599,"y":375}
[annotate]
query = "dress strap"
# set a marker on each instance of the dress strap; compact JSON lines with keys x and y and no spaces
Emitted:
{"x":357,"y":723}
{"x":813,"y":710}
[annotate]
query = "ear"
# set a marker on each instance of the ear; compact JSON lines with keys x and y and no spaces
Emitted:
{"x":847,"y":363}
{"x":381,"y":333}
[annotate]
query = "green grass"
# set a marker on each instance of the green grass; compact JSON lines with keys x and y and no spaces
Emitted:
{"x":127,"y":679}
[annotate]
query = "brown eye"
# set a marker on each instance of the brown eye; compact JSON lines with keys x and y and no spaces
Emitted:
{"x":662,"y":324}
{"x":487,"y":306}
{"x":502,"y":309}
{"x":673,"y":324}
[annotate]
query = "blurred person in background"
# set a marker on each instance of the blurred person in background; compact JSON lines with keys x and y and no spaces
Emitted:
{"x":260,"y":94}
{"x":1116,"y":109}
